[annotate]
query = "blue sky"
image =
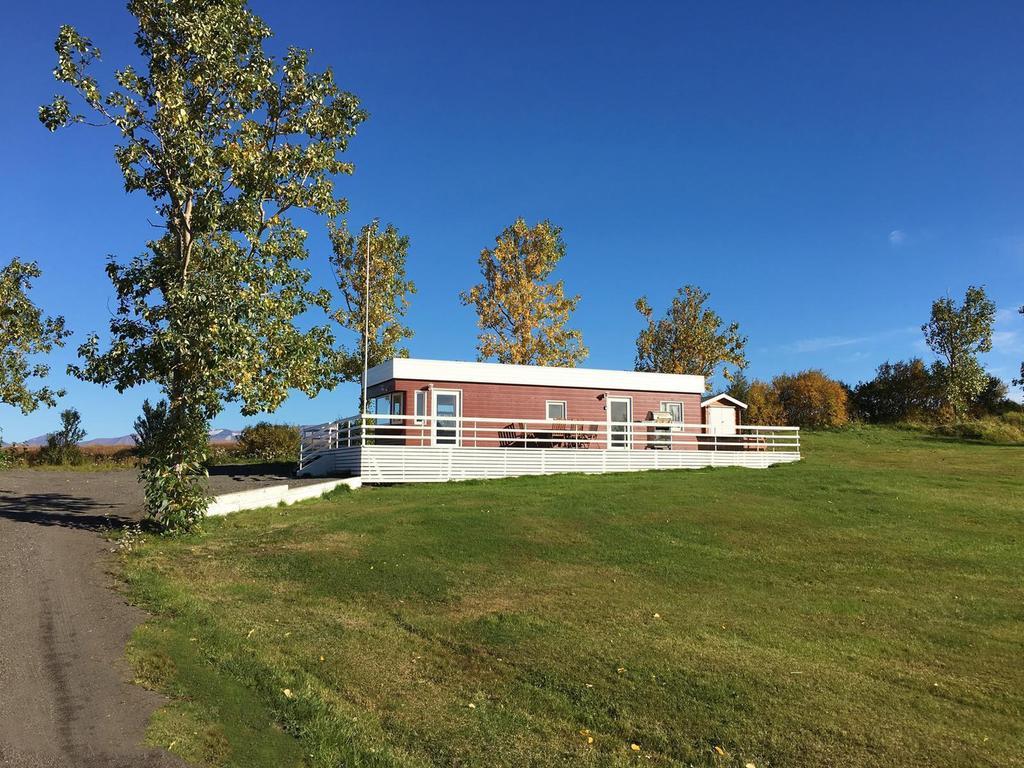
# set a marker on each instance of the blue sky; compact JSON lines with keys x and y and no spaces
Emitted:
{"x":824,"y":170}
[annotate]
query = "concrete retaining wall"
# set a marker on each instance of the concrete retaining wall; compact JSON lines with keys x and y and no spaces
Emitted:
{"x":272,"y":495}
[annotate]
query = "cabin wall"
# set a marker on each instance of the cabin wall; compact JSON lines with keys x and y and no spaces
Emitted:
{"x":521,"y":401}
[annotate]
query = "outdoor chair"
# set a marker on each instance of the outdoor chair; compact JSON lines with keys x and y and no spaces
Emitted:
{"x":512,"y":436}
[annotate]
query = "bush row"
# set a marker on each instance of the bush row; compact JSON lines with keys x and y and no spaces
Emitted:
{"x":263,"y":442}
{"x":902,"y":393}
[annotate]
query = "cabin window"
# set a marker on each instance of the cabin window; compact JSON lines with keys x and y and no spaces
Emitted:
{"x":421,"y":405}
{"x":388,"y":405}
{"x":675,"y":408}
{"x":556,"y":409}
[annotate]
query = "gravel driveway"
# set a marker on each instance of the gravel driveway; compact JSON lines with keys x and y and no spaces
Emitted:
{"x":65,"y":695}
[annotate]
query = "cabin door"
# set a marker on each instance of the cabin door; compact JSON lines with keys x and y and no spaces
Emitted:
{"x":447,"y":409}
{"x":620,"y":416}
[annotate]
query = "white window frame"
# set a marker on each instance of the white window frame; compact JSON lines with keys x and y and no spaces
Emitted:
{"x":547,"y":410}
{"x":682,"y":407}
{"x":392,"y":398}
{"x":419,"y":406}
{"x":627,"y":436}
{"x":458,"y":415}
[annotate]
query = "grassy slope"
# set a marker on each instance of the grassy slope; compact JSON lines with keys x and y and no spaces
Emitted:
{"x":864,"y":607}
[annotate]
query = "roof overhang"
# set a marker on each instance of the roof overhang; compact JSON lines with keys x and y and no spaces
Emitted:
{"x":532,"y":375}
{"x":723,"y":398}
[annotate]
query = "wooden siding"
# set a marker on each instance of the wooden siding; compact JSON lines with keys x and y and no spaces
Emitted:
{"x":528,"y":401}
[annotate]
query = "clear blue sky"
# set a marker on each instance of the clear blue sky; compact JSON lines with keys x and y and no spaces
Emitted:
{"x":824,"y":170}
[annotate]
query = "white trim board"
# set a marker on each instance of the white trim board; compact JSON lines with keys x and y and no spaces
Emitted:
{"x":536,"y":375}
{"x":719,"y":398}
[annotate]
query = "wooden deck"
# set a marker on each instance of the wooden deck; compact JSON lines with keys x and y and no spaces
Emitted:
{"x":407,"y":449}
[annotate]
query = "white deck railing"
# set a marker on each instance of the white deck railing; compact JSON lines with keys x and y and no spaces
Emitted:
{"x":511,"y":433}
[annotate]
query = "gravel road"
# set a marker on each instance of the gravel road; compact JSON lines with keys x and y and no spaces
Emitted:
{"x":65,"y":696}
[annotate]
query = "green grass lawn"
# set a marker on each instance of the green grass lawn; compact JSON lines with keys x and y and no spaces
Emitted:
{"x":862,"y":607}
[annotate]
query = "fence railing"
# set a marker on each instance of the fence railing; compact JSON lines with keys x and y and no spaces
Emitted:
{"x":434,"y":430}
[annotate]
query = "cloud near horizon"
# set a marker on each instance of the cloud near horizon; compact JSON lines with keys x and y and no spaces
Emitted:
{"x":823,"y":343}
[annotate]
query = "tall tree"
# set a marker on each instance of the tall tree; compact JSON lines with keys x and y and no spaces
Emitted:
{"x":25,"y":333}
{"x":957,"y":335}
{"x":689,"y":339}
{"x":389,"y":292}
{"x":228,"y":142}
{"x":740,"y":385}
{"x":522,"y":314}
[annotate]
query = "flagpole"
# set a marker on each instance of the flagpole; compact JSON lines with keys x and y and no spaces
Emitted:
{"x":366,"y":319}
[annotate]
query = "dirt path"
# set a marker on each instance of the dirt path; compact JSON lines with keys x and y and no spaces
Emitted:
{"x":65,"y":699}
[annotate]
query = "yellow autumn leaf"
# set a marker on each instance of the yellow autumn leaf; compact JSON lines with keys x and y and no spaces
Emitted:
{"x":635,"y":747}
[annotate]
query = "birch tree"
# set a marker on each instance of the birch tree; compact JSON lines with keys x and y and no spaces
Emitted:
{"x":957,"y":335}
{"x":522,"y":314}
{"x":389,"y":292}
{"x":25,"y":333}
{"x":690,"y":338}
{"x":228,"y":142}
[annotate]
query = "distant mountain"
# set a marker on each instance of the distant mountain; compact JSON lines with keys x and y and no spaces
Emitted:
{"x":122,"y":440}
{"x":216,"y":436}
{"x":224,"y":435}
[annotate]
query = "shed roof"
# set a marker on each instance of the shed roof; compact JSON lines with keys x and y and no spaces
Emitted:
{"x":535,"y":375}
{"x":721,"y":398}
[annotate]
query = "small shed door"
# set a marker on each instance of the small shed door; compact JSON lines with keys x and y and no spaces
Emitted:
{"x":721,"y":420}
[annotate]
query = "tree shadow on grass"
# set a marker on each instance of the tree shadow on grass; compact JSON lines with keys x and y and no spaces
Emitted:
{"x":63,"y":510}
{"x":970,"y":441}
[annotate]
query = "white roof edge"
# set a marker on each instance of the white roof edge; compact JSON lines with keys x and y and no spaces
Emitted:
{"x":723,"y":396}
{"x":536,"y":375}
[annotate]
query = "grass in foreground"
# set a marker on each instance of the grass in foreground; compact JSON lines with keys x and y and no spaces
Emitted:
{"x":864,"y":607}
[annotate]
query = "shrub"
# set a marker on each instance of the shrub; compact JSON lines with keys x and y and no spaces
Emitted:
{"x":1007,"y":429}
{"x":994,"y":400}
{"x":148,"y":426}
{"x":812,"y":399}
{"x":62,"y":446}
{"x":900,"y":391}
{"x":270,"y":442}
{"x":223,"y":453}
{"x":763,"y":406}
{"x":6,"y":458}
